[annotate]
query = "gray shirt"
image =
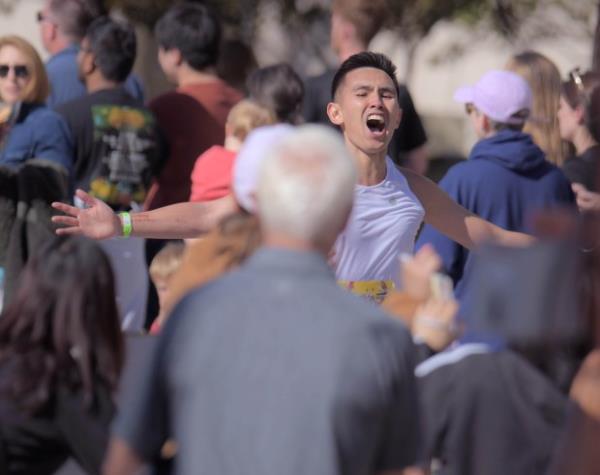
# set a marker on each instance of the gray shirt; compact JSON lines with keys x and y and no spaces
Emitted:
{"x":275,"y":369}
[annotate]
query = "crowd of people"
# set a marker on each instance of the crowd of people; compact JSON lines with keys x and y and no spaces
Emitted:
{"x":228,"y":284}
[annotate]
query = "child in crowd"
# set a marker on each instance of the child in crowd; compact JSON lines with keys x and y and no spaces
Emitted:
{"x":162,"y":268}
{"x":211,"y":177}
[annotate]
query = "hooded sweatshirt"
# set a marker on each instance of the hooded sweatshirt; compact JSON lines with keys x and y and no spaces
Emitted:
{"x":505,"y":180}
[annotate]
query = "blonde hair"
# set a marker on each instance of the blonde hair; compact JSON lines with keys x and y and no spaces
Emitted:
{"x":545,"y":82}
{"x":167,"y":261}
{"x":246,"y":116}
{"x":38,"y":88}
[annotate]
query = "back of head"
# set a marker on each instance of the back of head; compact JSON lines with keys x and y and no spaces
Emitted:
{"x":280,"y":89}
{"x":246,"y":116}
{"x":367,"y":16}
{"x":62,"y":326}
{"x":544,"y":80}
{"x":167,"y":261}
{"x":73,"y":17}
{"x":306,"y":186}
{"x":366,"y":59}
{"x":194,"y":30}
{"x":38,"y":88}
{"x":236,"y":62}
{"x":113,"y":44}
{"x":503,"y":97}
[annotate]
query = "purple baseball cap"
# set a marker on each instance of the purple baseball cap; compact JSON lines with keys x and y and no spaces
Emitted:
{"x":499,"y":95}
{"x":247,"y":164}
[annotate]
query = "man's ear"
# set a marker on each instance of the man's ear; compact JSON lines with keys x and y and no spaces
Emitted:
{"x":334,"y":113}
{"x":177,"y":56}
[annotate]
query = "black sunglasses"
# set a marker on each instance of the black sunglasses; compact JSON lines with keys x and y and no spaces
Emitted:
{"x":21,"y":71}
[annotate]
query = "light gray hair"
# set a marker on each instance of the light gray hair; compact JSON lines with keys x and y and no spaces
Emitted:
{"x":306,"y":185}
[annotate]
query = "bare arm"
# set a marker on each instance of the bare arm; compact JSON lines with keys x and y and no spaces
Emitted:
{"x":181,"y":220}
{"x":121,"y":459}
{"x":456,"y":222}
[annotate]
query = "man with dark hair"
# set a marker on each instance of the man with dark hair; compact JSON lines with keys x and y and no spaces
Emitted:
{"x":193,"y":116}
{"x":117,"y":145}
{"x":390,"y":203}
{"x":507,"y":177}
{"x":63,"y":24}
{"x":354,"y":23}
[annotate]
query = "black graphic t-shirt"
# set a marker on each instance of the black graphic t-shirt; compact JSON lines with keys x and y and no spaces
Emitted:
{"x":118,"y":148}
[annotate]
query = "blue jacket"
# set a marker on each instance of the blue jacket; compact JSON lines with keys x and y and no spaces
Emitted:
{"x":65,"y":84}
{"x":38,"y":133}
{"x":504,"y":181}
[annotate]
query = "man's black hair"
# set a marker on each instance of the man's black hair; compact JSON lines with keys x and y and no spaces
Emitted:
{"x":194,"y":30}
{"x":366,"y":59}
{"x":114,"y":47}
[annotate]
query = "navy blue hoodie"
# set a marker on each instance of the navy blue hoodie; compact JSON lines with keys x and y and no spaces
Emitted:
{"x":504,"y":181}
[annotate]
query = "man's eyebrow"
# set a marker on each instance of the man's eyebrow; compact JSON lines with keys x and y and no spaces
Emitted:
{"x":367,"y":87}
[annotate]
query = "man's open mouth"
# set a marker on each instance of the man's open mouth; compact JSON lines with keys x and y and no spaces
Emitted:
{"x":375,"y":122}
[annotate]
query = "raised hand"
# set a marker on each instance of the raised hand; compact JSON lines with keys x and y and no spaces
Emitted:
{"x":97,"y":220}
{"x":417,"y":271}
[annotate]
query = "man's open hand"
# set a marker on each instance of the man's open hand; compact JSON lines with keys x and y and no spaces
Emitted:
{"x":97,"y":220}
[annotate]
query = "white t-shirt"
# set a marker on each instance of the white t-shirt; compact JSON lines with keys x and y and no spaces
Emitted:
{"x":383,"y":224}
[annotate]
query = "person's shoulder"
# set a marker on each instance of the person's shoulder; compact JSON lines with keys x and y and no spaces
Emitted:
{"x":73,"y":106}
{"x":451,"y":360}
{"x":165,"y":98}
{"x":43,"y":115}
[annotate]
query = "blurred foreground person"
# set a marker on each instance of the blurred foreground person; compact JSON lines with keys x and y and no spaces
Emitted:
{"x":275,"y":380}
{"x":61,"y":353}
{"x":493,"y":404}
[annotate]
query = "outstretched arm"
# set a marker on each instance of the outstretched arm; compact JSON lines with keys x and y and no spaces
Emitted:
{"x":178,"y":221}
{"x":456,"y":222}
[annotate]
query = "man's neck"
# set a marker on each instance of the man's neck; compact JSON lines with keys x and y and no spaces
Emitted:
{"x":95,"y":83}
{"x":187,"y":76}
{"x":371,"y":168}
{"x":350,"y":48}
{"x":58,"y":45}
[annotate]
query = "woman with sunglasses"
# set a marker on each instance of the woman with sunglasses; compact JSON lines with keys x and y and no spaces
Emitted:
{"x":28,"y":129}
{"x":61,"y":354}
{"x":579,"y":123}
